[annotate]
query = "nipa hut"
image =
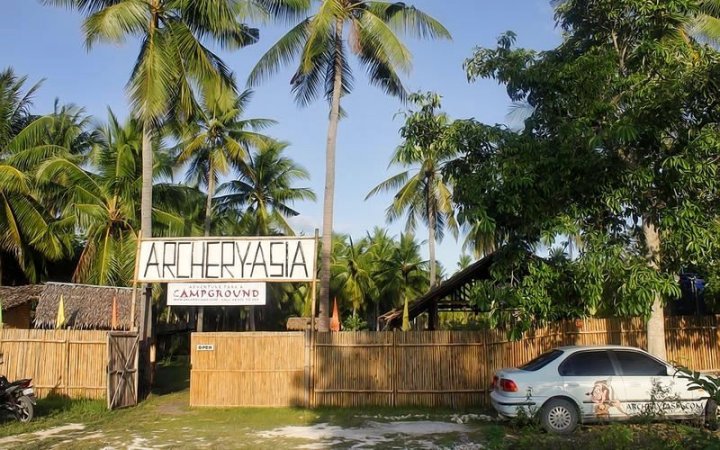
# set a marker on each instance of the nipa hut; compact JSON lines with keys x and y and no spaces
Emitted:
{"x":17,"y":303}
{"x":85,"y":306}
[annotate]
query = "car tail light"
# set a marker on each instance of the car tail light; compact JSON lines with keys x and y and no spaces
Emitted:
{"x":508,"y":385}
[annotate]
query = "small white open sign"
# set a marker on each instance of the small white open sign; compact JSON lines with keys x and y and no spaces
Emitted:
{"x":205,"y":347}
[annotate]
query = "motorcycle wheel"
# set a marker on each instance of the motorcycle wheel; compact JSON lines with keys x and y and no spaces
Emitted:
{"x":25,"y":409}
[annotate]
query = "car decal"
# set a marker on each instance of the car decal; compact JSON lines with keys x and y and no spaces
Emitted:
{"x":603,"y":399}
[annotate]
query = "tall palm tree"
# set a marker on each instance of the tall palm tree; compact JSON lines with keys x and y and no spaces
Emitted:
{"x":422,"y":191}
{"x":171,"y":62}
{"x":319,"y":42}
{"x":264,"y":193}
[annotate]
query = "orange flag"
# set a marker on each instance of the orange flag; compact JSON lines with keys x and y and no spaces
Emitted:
{"x":114,"y":318}
{"x":335,"y":319}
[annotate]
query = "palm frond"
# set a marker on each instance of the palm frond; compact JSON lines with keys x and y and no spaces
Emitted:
{"x":282,"y":53}
{"x":115,"y":23}
{"x":408,"y":20}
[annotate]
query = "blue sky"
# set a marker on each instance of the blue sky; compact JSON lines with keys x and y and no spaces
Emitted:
{"x":46,"y":42}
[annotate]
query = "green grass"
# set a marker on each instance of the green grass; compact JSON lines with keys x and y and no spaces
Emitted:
{"x":165,"y":418}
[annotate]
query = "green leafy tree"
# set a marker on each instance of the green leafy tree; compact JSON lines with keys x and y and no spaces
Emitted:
{"x":322,"y":43}
{"x":620,"y":150}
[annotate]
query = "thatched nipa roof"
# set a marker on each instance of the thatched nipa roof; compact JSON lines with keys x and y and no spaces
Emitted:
{"x":88,"y":307}
{"x":13,"y":296}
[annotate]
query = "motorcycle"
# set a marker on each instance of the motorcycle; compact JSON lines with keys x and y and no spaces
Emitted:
{"x":17,"y":398}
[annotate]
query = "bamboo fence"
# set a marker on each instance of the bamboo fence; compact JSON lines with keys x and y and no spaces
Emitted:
{"x":454,"y":368}
{"x":248,"y":369}
{"x":435,"y":369}
{"x":71,"y":363}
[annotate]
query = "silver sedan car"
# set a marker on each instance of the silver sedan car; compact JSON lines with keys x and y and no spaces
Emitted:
{"x":576,"y":384}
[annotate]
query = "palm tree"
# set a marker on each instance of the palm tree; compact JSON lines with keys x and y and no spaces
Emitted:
{"x":264,"y":193}
{"x":171,"y":62}
{"x":218,"y":140}
{"x":422,"y":191}
{"x":352,"y":270}
{"x":30,"y":234}
{"x":404,"y":275}
{"x":102,"y":193}
{"x":264,"y":190}
{"x":324,"y":70}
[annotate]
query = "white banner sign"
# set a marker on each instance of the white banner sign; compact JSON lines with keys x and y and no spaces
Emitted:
{"x":216,"y":294}
{"x":227,"y":259}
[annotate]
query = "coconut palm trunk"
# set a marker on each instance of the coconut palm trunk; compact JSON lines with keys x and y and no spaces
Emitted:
{"x":432,"y":224}
{"x":146,"y":216}
{"x":324,"y":303}
{"x":656,"y":322}
{"x":207,"y":226}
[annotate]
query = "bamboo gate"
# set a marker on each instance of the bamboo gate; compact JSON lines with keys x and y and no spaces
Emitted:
{"x":441,"y":368}
{"x":70,"y":363}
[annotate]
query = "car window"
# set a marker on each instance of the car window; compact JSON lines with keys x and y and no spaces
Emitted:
{"x":587,"y":364}
{"x":541,"y":361}
{"x":638,"y":364}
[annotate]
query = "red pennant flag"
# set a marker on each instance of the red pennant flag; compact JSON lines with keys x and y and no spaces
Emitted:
{"x":114,"y":317}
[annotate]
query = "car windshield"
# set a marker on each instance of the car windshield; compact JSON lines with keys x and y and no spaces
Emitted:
{"x":541,"y":361}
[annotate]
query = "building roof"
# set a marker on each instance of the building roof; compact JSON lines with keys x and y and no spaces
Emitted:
{"x":88,"y":307}
{"x":14,"y":296}
{"x":451,"y":294}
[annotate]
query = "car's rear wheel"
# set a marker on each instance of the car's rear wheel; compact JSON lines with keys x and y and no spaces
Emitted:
{"x":711,"y":414}
{"x":559,"y":416}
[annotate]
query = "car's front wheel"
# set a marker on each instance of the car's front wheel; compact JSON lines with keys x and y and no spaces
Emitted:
{"x":559,"y":416}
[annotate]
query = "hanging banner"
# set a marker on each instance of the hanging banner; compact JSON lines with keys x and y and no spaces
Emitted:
{"x":226,"y":259}
{"x":216,"y":294}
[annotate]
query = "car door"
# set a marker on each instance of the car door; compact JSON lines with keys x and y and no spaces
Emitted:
{"x":651,"y":388}
{"x":590,"y":377}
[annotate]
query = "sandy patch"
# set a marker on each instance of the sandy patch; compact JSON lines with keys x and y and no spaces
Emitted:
{"x":42,"y":434}
{"x":373,"y":433}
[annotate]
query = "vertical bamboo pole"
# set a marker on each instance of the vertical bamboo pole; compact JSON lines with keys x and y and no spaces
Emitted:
{"x":133,"y":327}
{"x":67,"y":364}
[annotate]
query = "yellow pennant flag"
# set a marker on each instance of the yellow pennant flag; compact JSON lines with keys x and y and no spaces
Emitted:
{"x":60,"y":321}
{"x":406,"y":317}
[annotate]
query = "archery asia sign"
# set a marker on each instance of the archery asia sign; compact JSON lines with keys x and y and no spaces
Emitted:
{"x":235,"y":259}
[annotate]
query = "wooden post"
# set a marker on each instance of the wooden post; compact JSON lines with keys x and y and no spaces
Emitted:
{"x":393,"y":369}
{"x":306,"y":371}
{"x":313,"y":295}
